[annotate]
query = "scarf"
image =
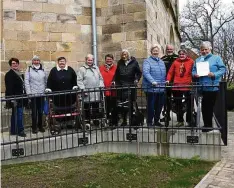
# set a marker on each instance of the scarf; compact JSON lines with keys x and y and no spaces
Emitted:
{"x":18,"y":73}
{"x":154,"y":58}
{"x":108,"y":67}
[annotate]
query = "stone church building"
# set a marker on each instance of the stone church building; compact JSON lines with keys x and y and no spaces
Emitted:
{"x":53,"y":28}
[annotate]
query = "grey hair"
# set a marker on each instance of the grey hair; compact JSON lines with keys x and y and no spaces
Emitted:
{"x":183,"y":50}
{"x":206,"y":44}
{"x":155,"y":46}
{"x":125,"y":50}
{"x":89,"y":55}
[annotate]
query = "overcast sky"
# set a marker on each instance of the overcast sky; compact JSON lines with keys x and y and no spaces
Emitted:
{"x":183,"y":2}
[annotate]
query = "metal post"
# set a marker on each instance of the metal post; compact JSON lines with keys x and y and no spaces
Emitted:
{"x":94,"y":29}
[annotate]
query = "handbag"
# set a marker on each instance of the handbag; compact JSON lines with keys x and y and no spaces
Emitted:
{"x":46,"y":107}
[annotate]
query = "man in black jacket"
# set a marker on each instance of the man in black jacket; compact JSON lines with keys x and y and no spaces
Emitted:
{"x":14,"y":82}
{"x":128,"y":73}
{"x":168,"y":59}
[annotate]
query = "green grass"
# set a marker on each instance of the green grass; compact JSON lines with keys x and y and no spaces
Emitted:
{"x":107,"y":171}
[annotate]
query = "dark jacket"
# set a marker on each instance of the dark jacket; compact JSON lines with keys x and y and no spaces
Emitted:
{"x":168,"y":60}
{"x":14,"y":87}
{"x":61,"y":81}
{"x":126,"y":75}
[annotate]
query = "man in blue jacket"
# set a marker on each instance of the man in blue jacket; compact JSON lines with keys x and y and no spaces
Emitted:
{"x":216,"y":71}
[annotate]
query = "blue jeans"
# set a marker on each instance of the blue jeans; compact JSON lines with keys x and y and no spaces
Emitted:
{"x":155,"y":102}
{"x":17,"y":120}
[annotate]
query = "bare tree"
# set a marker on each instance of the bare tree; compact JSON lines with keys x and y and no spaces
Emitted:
{"x":201,"y":20}
{"x":224,"y":46}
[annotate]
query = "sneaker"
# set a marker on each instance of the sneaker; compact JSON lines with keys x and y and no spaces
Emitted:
{"x":34,"y":131}
{"x":42,"y":130}
{"x":22,"y":134}
{"x":179,"y":124}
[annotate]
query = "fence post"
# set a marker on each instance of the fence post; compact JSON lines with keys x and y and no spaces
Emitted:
{"x":220,"y":111}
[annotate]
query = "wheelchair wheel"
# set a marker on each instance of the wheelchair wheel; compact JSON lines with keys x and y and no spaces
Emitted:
{"x":54,"y":130}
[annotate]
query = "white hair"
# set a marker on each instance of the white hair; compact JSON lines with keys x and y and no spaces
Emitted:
{"x":125,"y":50}
{"x":206,"y":44}
{"x":155,"y":46}
{"x":89,"y":56}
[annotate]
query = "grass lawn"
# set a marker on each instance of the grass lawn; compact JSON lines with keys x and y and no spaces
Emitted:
{"x":107,"y":171}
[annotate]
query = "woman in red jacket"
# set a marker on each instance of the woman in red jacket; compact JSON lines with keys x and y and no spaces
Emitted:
{"x":181,"y":75}
{"x":108,"y":71}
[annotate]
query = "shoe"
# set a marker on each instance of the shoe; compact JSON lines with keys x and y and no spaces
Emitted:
{"x":158,"y":124}
{"x":34,"y":131}
{"x":22,"y":134}
{"x":179,"y":124}
{"x":123,"y":124}
{"x":42,"y":130}
{"x":164,"y":119}
{"x":205,"y":130}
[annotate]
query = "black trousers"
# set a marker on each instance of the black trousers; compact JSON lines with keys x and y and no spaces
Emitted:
{"x":167,"y":104}
{"x":178,"y":97}
{"x":111,"y":109}
{"x":208,"y":102}
{"x":91,"y":110}
{"x":37,"y":112}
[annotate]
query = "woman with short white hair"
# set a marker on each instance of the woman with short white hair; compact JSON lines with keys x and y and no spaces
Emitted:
{"x":89,"y":78}
{"x":216,"y":70}
{"x":128,"y":73}
{"x":154,"y":75}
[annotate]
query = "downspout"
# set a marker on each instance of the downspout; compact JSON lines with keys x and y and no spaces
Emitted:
{"x":94,"y":29}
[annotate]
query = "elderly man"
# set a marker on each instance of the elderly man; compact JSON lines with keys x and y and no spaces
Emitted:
{"x":217,"y":70}
{"x":168,"y":59}
{"x":128,"y":73}
{"x":62,"y":78}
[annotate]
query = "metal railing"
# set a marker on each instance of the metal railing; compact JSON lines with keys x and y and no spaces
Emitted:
{"x":80,"y":118}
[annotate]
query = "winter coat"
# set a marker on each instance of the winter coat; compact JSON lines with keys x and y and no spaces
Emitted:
{"x":125,"y":75}
{"x":89,"y":78}
{"x":35,"y":80}
{"x":154,"y":70}
{"x":168,"y":60}
{"x":108,"y":75}
{"x":216,"y":66}
{"x":181,"y":73}
{"x":14,"y":87}
{"x":62,"y":80}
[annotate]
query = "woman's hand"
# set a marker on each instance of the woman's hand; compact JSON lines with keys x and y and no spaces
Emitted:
{"x":211,"y":74}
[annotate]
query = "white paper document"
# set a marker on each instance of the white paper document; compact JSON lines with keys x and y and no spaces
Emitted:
{"x":203,"y":68}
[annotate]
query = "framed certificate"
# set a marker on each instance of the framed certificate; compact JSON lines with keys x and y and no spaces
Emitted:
{"x":203,"y":68}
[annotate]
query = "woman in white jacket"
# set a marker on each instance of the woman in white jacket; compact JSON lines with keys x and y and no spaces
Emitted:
{"x":35,"y":83}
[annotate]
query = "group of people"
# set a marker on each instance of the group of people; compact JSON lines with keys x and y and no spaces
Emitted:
{"x":157,"y":72}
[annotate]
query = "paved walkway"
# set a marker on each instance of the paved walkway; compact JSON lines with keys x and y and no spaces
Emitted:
{"x":222,"y":174}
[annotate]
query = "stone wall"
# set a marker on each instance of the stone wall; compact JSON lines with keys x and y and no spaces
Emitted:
{"x":53,"y":28}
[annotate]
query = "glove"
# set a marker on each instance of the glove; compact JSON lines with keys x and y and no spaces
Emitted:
{"x":154,"y":83}
{"x":75,"y":88}
{"x":47,"y":90}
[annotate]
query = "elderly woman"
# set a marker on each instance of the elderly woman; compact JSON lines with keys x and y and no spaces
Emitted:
{"x":14,"y":82}
{"x":35,"y":82}
{"x":89,"y":78}
{"x":180,"y":74}
{"x":128,"y":73}
{"x":216,"y":71}
{"x":62,"y":78}
{"x":154,"y":75}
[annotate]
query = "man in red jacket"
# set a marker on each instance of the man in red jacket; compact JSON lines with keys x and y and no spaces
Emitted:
{"x":108,"y":71}
{"x":181,"y":71}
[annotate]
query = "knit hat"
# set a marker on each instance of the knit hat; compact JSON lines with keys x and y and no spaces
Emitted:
{"x":35,"y":57}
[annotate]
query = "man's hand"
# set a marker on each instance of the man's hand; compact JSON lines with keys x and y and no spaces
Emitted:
{"x":211,"y":74}
{"x":167,"y":82}
{"x":196,"y":76}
